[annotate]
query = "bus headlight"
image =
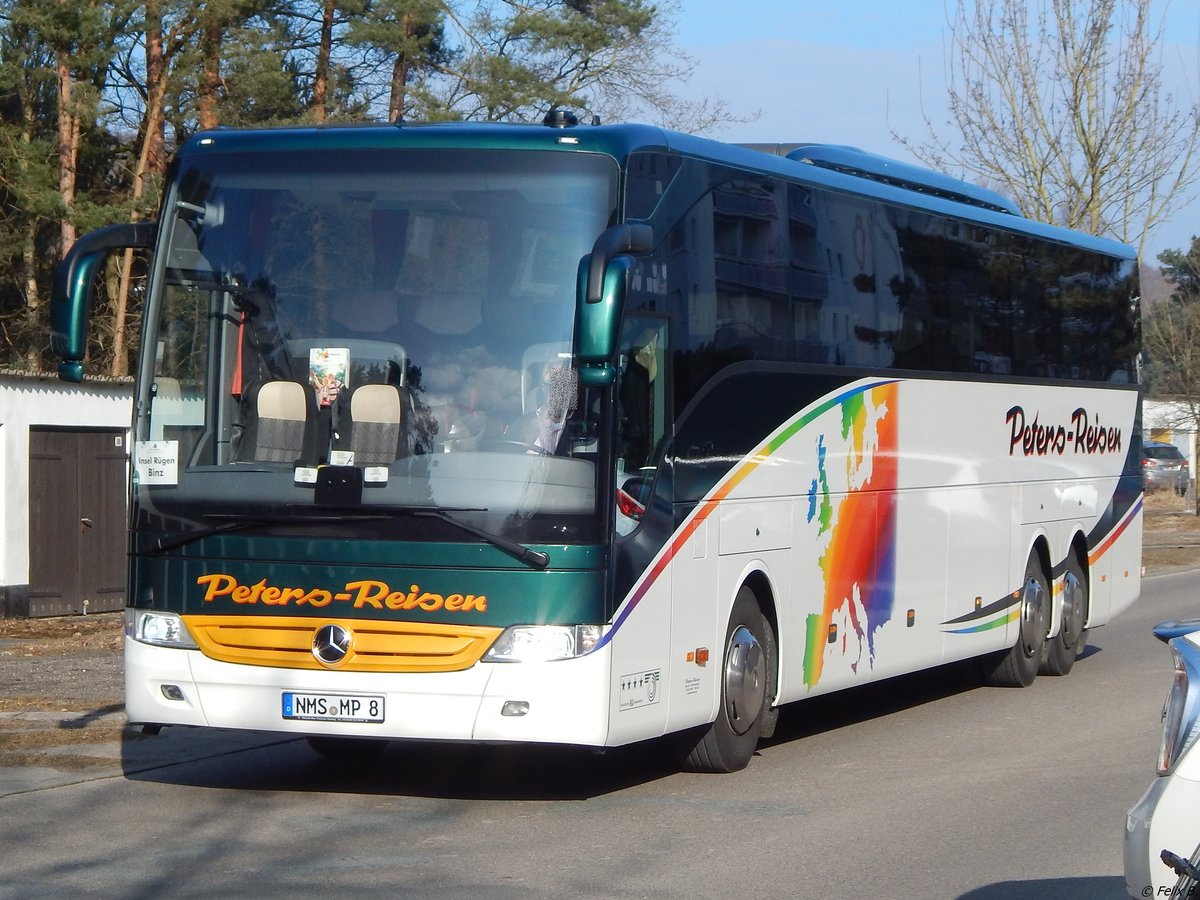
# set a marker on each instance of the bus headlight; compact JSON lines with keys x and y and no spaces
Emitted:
{"x":1181,"y":714}
{"x":544,"y":643}
{"x":162,"y":629}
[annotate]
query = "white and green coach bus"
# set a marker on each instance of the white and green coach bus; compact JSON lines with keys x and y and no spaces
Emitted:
{"x":589,"y":435}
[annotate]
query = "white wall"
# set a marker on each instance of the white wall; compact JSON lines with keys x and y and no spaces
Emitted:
{"x":27,"y":400}
{"x":1162,"y":415}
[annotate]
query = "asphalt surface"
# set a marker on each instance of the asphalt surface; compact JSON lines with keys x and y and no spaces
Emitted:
{"x":927,"y":785}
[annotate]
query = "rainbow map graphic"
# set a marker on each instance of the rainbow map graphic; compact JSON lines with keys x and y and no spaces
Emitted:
{"x":856,"y":530}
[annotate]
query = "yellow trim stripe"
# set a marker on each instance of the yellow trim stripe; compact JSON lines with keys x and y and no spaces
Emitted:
{"x":286,"y":642}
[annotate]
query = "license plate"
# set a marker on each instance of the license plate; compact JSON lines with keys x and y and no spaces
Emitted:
{"x":333,"y":707}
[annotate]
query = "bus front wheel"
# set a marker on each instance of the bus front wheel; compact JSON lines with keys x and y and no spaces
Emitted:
{"x":748,"y":661}
{"x":1018,"y":666}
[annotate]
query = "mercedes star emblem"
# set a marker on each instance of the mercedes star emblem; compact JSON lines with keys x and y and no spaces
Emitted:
{"x":330,"y":644}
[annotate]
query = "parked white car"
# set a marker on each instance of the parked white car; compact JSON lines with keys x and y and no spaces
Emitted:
{"x":1162,"y":832}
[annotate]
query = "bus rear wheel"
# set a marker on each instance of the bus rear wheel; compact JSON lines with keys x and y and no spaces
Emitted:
{"x":1018,"y":666}
{"x":1064,"y":647}
{"x":728,"y":743}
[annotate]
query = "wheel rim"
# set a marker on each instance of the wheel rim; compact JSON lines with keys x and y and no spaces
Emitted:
{"x":1072,"y":609}
{"x":1033,"y":616}
{"x":745,"y":679}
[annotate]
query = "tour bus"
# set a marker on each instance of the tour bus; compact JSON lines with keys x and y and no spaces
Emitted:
{"x":591,"y":434}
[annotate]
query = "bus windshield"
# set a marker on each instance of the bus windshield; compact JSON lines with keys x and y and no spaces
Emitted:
{"x":388,"y":331}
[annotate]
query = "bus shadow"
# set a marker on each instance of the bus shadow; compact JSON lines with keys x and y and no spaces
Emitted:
{"x":405,"y":768}
{"x":275,"y":762}
{"x":851,"y":706}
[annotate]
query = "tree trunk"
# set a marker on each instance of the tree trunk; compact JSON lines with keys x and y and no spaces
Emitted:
{"x":210,"y":75}
{"x":151,"y":159}
{"x":400,"y":76}
{"x":156,"y":67}
{"x":321,"y":77}
{"x":33,"y":304}
{"x":68,"y":149}
{"x":32,"y":323}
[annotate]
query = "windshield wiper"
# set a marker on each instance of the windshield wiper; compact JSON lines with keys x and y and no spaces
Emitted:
{"x":520,"y":552}
{"x":339,"y":514}
{"x":238,"y":522}
{"x":535,"y":558}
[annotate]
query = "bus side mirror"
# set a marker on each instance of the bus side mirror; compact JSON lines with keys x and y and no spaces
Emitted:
{"x":74,"y":280}
{"x":602,"y":286}
{"x":632,"y":237}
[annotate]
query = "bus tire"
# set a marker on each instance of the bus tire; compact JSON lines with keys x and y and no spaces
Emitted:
{"x":1062,"y":649}
{"x":727,"y":744}
{"x":1018,"y":665}
{"x":339,"y":749}
{"x":770,"y":715}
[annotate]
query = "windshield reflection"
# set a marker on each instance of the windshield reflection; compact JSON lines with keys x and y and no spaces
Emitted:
{"x":406,"y":314}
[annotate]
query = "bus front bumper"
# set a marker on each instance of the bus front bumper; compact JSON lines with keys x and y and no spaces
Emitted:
{"x":562,"y":702}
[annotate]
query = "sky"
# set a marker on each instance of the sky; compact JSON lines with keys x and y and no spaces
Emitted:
{"x":855,"y":71}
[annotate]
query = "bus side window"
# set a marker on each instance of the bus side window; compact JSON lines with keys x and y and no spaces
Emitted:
{"x":642,"y":395}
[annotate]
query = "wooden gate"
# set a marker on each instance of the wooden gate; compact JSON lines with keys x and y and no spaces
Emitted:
{"x":77,"y":521}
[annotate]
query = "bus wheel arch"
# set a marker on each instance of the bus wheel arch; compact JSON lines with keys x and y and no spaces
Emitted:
{"x":1018,"y":665}
{"x":1073,"y":607}
{"x":758,"y":582}
{"x":749,"y":663}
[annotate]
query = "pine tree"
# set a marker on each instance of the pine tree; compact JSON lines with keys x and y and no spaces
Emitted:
{"x":95,"y":93}
{"x":28,"y":192}
{"x":408,"y":37}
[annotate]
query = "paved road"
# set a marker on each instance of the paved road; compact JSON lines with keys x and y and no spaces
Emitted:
{"x":928,"y":787}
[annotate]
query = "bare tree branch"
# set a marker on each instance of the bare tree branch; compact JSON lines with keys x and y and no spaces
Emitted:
{"x":1060,"y":104}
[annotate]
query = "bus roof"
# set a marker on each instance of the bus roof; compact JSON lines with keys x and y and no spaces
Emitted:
{"x":836,"y":167}
{"x":854,"y":161}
